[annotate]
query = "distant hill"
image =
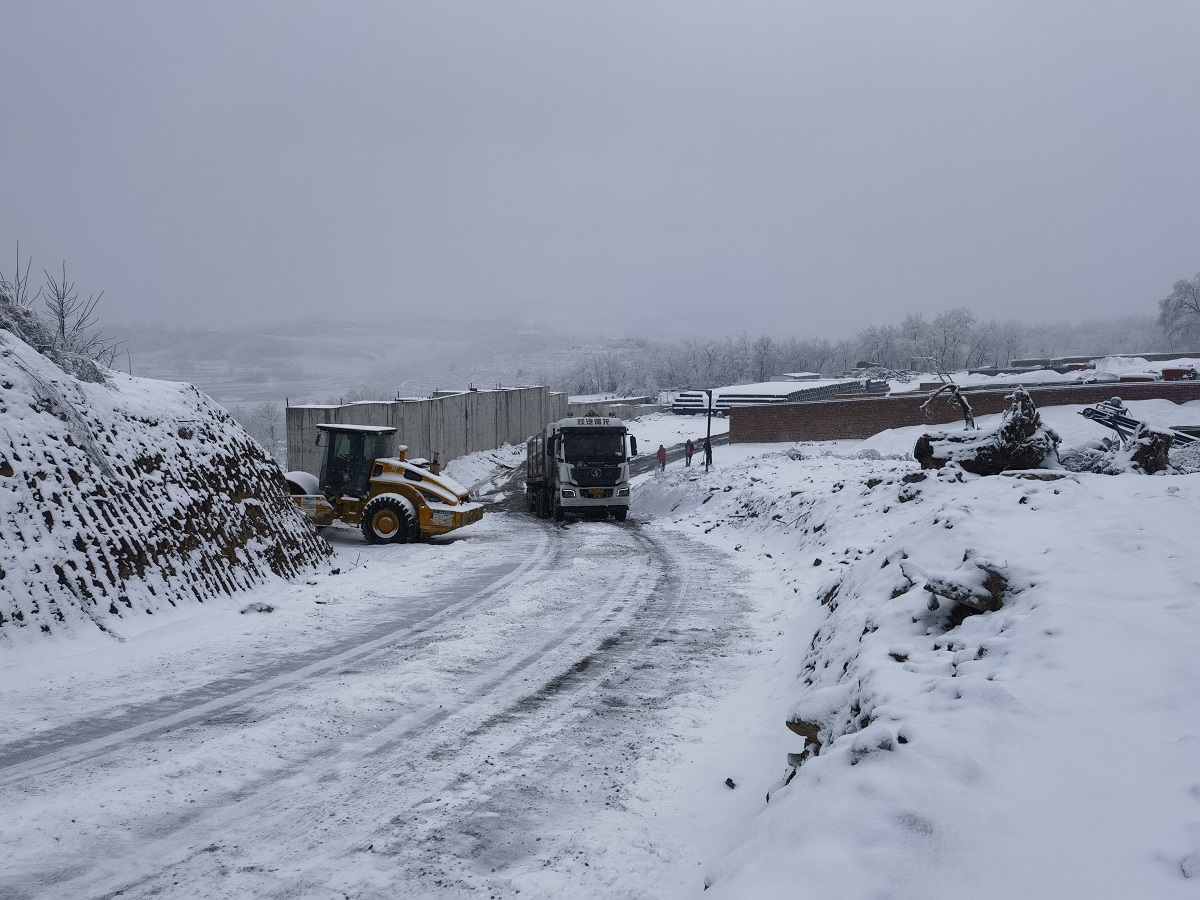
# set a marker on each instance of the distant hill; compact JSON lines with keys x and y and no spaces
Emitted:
{"x":308,"y":362}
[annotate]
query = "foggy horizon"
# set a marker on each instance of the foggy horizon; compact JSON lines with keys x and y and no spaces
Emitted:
{"x":673,"y":170}
{"x":651,"y":330}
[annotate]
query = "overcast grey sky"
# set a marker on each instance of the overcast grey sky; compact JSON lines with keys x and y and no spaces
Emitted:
{"x":788,"y":167}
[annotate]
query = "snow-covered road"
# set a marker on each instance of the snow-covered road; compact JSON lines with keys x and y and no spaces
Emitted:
{"x":503,"y":711}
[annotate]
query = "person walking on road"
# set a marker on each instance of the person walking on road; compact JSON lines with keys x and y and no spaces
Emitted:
{"x":688,"y":450}
{"x":707,"y":453}
{"x":662,"y":458}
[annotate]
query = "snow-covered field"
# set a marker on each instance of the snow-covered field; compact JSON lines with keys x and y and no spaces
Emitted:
{"x":669,"y":429}
{"x":556,"y":710}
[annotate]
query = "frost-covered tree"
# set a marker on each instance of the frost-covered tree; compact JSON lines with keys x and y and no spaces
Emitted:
{"x":67,"y":335}
{"x":951,"y":333}
{"x":15,"y":290}
{"x":1179,"y":311}
{"x":1007,"y":343}
{"x":74,"y":319}
{"x":953,"y":339}
{"x":763,"y":358}
{"x":265,"y":423}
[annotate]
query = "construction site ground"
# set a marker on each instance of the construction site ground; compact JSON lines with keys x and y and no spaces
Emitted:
{"x":522,"y":705}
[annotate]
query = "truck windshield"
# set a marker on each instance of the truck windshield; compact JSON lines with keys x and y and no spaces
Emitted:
{"x":594,"y":446}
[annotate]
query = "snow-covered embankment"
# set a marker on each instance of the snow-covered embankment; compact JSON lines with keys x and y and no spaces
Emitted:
{"x":1042,"y":740}
{"x":124,"y":499}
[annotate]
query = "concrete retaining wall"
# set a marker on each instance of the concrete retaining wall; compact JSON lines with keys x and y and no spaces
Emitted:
{"x":449,"y":427}
{"x":860,"y":418}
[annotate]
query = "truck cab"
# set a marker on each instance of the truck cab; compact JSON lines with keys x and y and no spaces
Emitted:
{"x":580,"y":466}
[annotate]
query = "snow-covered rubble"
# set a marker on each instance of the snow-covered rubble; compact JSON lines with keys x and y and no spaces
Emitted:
{"x":1038,"y":739}
{"x":125,"y":498}
{"x":1021,"y":441}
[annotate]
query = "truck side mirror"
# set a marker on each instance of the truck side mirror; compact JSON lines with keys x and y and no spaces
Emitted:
{"x":632,"y":445}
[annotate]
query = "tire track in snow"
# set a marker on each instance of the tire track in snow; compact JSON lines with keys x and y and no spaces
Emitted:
{"x":62,"y":747}
{"x":526,"y":741}
{"x":257,"y":808}
{"x":448,"y":807}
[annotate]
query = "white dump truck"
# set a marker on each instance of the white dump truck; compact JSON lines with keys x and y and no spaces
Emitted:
{"x":580,"y":466}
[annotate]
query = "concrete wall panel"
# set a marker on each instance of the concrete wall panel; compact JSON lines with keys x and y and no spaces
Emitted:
{"x":449,"y":426}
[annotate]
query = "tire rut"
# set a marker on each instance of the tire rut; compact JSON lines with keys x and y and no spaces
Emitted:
{"x":79,"y":741}
{"x":358,"y":763}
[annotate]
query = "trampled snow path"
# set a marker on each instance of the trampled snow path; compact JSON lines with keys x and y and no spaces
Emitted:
{"x":493,"y":714}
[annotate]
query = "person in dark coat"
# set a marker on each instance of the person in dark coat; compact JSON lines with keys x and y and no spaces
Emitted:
{"x":662,"y":458}
{"x":688,"y":450}
{"x":707,"y":453}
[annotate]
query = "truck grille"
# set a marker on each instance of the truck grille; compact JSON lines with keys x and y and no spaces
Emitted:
{"x":595,"y":476}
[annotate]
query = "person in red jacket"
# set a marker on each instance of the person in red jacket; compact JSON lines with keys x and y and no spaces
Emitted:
{"x":662,"y":458}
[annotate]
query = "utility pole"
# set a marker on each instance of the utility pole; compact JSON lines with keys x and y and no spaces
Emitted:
{"x":708,"y":437}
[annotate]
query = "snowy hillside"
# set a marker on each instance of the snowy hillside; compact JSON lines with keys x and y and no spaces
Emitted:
{"x":122,"y":500}
{"x":320,"y":361}
{"x":1039,"y":739}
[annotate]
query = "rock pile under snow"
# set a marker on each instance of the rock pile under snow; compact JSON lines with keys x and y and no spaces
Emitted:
{"x":125,"y":498}
{"x":1147,"y":452}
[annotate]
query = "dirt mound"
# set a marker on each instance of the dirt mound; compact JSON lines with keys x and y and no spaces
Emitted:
{"x":127,"y":497}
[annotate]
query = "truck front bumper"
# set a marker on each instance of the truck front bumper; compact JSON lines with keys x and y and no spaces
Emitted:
{"x":591,"y":498}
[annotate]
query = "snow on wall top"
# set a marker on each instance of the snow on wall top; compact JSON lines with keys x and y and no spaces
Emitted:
{"x":779,"y":388}
{"x":123,"y":499}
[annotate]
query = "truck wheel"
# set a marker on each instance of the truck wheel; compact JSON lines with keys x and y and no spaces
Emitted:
{"x":388,"y":520}
{"x":621,"y":513}
{"x":558,"y":511}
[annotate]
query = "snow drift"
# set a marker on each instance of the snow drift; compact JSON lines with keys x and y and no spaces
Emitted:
{"x":123,"y":498}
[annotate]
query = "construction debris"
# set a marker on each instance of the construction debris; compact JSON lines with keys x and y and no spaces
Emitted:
{"x":1021,"y":442}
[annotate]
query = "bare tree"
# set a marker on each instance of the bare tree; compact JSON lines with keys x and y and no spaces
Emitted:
{"x":16,"y":289}
{"x":951,"y":330}
{"x":1010,"y":338}
{"x":1179,"y":311}
{"x":764,"y":354}
{"x":981,"y":343}
{"x":265,"y":423}
{"x":74,"y":319}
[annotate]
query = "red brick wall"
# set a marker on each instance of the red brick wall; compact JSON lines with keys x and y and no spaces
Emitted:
{"x":826,"y":420}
